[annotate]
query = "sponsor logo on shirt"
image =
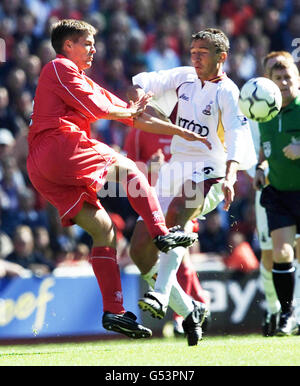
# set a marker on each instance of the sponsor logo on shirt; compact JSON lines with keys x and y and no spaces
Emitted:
{"x":193,"y":126}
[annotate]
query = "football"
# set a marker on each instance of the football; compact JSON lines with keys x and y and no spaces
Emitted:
{"x":260,"y":99}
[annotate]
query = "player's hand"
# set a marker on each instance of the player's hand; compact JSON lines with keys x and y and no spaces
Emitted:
{"x":259,"y":179}
{"x":228,"y":191}
{"x":139,"y":106}
{"x":191,"y":136}
{"x":134,"y":93}
{"x":292,"y":151}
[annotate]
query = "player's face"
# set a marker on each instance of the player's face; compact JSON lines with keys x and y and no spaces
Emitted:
{"x":82,"y":51}
{"x":206,"y":61}
{"x":288,"y":82}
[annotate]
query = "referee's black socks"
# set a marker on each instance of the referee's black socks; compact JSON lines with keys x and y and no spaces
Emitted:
{"x":284,"y":282}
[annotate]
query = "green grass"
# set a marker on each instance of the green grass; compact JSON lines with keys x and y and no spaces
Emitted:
{"x":246,"y":350}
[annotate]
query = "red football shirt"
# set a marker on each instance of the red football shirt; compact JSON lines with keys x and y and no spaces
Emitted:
{"x":66,"y":97}
{"x":64,"y":164}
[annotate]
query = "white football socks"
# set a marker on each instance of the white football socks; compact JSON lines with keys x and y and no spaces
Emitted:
{"x":166,"y":284}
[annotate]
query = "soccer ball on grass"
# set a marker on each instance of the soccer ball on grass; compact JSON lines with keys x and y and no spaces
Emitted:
{"x":260,"y":99}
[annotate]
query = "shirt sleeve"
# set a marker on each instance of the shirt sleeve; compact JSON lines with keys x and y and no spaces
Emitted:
{"x":82,"y":94}
{"x":238,"y":138}
{"x":161,"y":81}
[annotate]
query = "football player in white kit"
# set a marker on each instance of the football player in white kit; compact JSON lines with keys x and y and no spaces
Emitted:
{"x":200,"y":98}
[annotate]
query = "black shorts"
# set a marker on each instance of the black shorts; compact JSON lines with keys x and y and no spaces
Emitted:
{"x":282,"y":207}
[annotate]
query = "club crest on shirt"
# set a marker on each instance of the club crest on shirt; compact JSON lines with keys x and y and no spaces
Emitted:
{"x":242,"y":119}
{"x":267,"y":149}
{"x":207,"y":110}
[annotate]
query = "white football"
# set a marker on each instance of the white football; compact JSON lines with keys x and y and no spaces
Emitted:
{"x":260,"y":99}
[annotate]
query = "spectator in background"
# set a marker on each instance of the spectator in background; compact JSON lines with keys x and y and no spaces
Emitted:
{"x":42,"y":242}
{"x":241,"y":257}
{"x":16,"y":83}
{"x":273,"y":29}
{"x":32,"y":68}
{"x":25,"y":255}
{"x":11,"y":185}
{"x":27,"y":213}
{"x":41,"y":10}
{"x":23,"y":109}
{"x":24,"y":30}
{"x":8,"y":270}
{"x":7,"y":143}
{"x":6,"y":246}
{"x":66,"y":9}
{"x":63,"y":251}
{"x":7,"y":116}
{"x":161,"y":56}
{"x":239,"y":11}
{"x":45,"y":52}
{"x":291,"y":32}
{"x":213,"y":237}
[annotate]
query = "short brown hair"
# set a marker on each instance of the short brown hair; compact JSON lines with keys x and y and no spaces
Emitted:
{"x":214,"y":36}
{"x":274,"y":54}
{"x":69,"y":29}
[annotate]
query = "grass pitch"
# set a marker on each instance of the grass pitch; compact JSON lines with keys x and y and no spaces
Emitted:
{"x":246,"y":350}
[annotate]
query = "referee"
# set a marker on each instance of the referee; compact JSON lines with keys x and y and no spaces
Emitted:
{"x":280,"y":150}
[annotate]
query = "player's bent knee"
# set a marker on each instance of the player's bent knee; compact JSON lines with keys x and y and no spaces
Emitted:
{"x":284,"y":254}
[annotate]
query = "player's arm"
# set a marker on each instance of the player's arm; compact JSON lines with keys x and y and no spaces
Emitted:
{"x":154,"y":125}
{"x":229,"y":181}
{"x":91,"y":100}
{"x":162,"y":81}
{"x":259,"y":179}
{"x":238,"y":140}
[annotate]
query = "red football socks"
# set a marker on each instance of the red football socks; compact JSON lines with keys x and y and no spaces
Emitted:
{"x":106,"y":269}
{"x":144,"y":201}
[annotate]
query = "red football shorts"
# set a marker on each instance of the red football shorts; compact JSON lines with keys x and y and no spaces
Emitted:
{"x":67,"y":168}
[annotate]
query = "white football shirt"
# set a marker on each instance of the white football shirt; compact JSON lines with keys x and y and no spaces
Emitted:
{"x":210,"y":109}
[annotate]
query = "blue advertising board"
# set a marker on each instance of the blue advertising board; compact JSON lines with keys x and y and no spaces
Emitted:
{"x":57,"y":306}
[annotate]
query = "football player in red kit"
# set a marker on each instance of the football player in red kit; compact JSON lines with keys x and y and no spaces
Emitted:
{"x":68,"y":167}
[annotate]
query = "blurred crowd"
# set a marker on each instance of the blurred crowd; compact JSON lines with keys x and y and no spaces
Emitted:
{"x":133,"y":36}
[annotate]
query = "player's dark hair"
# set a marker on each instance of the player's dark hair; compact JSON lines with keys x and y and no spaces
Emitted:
{"x":214,"y":36}
{"x":69,"y":29}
